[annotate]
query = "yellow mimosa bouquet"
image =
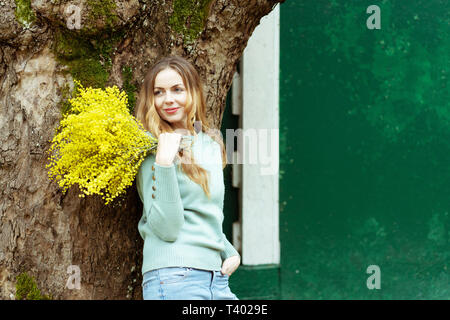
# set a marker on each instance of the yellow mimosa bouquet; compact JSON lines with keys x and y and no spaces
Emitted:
{"x":99,"y":145}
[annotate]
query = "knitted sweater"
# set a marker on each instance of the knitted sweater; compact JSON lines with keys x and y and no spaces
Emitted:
{"x":180,"y":226}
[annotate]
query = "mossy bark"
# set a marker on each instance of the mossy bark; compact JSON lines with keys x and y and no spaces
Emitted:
{"x":42,"y":231}
{"x":26,"y":289}
{"x":24,"y":13}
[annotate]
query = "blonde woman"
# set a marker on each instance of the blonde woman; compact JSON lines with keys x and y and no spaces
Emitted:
{"x":186,"y":255}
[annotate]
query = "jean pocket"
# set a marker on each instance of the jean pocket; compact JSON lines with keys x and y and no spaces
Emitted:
{"x":148,"y":279}
{"x":220,"y":274}
{"x":173,"y":275}
{"x":222,"y":277}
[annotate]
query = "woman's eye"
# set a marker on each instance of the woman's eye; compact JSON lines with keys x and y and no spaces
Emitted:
{"x":178,"y":89}
{"x":156,"y":93}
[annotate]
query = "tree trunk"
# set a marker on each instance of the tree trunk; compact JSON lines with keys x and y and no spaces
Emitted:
{"x":43,"y":49}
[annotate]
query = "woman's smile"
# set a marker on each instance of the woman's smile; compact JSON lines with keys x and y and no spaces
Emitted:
{"x":171,"y":110}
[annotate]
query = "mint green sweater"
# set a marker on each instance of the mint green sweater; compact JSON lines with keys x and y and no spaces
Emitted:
{"x":180,"y":226}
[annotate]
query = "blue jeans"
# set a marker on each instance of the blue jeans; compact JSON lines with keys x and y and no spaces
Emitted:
{"x":180,"y":283}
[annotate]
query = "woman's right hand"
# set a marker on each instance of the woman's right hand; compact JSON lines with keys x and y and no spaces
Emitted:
{"x":168,"y":145}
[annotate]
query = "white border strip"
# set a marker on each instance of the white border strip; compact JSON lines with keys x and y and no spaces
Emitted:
{"x":260,"y":97}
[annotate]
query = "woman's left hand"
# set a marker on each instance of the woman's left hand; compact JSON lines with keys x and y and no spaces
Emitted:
{"x":230,"y":265}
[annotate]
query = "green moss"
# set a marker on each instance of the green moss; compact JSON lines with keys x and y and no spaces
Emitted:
{"x":88,"y":60}
{"x":26,"y":289}
{"x":24,"y":14}
{"x":102,"y":10}
{"x":86,"y":53}
{"x":129,"y":87}
{"x":67,"y":94}
{"x":83,"y":60}
{"x":189,"y":17}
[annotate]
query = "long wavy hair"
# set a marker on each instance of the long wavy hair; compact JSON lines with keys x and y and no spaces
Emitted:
{"x":195,"y":108}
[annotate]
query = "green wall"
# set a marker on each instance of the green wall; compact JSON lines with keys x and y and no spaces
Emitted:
{"x":364,"y":149}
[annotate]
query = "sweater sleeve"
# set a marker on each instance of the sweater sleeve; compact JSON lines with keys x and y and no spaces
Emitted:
{"x":229,"y":250}
{"x":158,"y":189}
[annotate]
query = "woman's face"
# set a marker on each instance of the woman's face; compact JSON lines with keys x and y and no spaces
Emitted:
{"x":170,"y":98}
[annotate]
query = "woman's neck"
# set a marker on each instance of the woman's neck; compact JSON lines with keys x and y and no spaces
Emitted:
{"x":183,"y":131}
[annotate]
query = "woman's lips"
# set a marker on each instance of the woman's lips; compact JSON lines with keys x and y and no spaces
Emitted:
{"x":171,"y":110}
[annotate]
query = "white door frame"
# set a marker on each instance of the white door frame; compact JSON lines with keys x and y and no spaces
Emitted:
{"x":256,"y":99}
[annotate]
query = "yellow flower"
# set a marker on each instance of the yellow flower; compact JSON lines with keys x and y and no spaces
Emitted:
{"x":99,"y":145}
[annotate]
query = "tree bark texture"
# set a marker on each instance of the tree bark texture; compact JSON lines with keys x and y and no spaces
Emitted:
{"x":42,"y":231}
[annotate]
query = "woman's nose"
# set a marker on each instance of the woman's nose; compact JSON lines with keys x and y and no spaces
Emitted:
{"x":169,"y":98}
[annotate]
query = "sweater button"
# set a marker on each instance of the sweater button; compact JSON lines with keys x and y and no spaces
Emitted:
{"x":153,"y":195}
{"x":153,"y":187}
{"x":153,"y":178}
{"x":153,"y":168}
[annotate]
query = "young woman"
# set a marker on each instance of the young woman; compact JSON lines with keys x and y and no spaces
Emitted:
{"x":186,"y":255}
